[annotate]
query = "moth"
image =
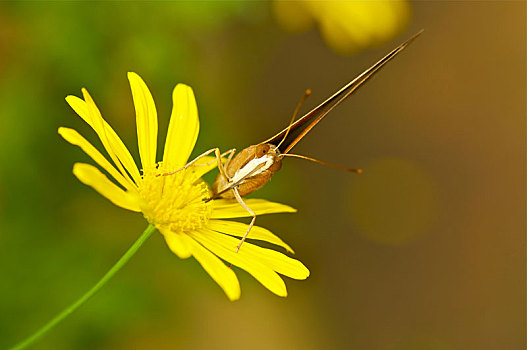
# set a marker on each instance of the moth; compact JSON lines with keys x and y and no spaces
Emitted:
{"x":254,"y":166}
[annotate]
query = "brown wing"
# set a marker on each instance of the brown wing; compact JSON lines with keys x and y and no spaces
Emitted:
{"x":251,"y":183}
{"x":313,"y":117}
{"x":239,"y":160}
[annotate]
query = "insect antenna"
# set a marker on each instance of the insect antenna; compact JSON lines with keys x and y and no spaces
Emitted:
{"x":331,"y":165}
{"x":295,"y":113}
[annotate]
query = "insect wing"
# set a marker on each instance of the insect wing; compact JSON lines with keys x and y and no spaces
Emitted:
{"x":313,"y":117}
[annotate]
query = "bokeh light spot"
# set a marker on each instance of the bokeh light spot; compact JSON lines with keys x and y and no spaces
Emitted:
{"x":346,"y":26}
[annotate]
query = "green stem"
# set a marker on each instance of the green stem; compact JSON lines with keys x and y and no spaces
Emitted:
{"x":122,"y":261}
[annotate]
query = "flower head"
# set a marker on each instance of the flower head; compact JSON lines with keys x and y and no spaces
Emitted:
{"x":346,"y":26}
{"x":177,"y":205}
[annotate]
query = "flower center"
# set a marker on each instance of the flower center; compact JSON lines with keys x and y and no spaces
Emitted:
{"x":176,"y":201}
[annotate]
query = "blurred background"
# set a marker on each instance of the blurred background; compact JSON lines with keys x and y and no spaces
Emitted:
{"x":424,"y":250}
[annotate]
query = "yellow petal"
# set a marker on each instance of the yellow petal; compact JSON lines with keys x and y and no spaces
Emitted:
{"x":91,"y":176}
{"x":266,"y":276}
{"x":279,"y":262}
{"x":183,"y":129}
{"x":204,"y":165}
{"x":174,"y":241}
{"x":146,"y":120}
{"x":73,"y":137}
{"x":239,"y":229}
{"x":224,"y":276}
{"x":230,"y":208}
{"x":275,"y":260}
{"x":200,"y":168}
{"x":81,"y":108}
{"x":112,"y":139}
{"x":116,"y":149}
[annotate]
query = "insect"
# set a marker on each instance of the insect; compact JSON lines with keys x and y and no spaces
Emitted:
{"x":254,"y":166}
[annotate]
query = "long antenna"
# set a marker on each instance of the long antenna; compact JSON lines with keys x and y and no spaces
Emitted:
{"x":331,"y":165}
{"x":297,"y":108}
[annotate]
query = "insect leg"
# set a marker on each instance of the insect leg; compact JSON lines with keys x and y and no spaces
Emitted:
{"x":218,"y":158}
{"x":234,"y":184}
{"x":221,"y":168}
{"x":191,"y":163}
{"x":231,"y":151}
{"x":242,"y":203}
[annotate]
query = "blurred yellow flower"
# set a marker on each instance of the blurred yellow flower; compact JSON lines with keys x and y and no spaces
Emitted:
{"x":346,"y":26}
{"x":176,"y":205}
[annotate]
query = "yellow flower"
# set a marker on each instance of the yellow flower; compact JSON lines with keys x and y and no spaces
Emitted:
{"x":346,"y":26}
{"x":176,"y":205}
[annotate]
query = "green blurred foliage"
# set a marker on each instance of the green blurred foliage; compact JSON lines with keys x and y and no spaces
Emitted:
{"x":50,"y":50}
{"x":452,"y":106}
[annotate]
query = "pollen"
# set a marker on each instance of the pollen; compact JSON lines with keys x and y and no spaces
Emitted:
{"x":176,"y":201}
